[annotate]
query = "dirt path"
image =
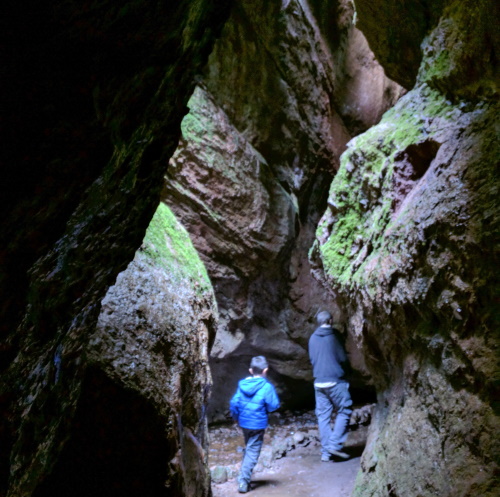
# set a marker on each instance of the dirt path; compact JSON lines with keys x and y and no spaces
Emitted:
{"x":299,"y":473}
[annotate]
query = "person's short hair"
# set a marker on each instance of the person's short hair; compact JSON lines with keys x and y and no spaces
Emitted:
{"x":323,"y":317}
{"x":258,"y":364}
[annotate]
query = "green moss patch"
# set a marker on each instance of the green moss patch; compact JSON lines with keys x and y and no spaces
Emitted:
{"x":361,"y":194}
{"x":167,"y":244}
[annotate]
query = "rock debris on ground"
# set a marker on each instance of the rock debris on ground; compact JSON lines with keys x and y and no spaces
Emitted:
{"x":289,"y":463}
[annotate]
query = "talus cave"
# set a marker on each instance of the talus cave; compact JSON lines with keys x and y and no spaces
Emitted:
{"x":186,"y":185}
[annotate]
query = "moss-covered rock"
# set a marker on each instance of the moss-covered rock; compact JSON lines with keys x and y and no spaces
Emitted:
{"x":350,"y":231}
{"x":408,"y":242}
{"x":153,"y":337}
{"x":416,"y":277}
{"x":464,"y":66}
{"x":424,"y":41}
{"x":141,"y":408}
{"x":168,"y":245}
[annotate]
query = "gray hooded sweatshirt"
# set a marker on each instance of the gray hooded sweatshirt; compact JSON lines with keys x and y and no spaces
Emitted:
{"x":328,"y":358}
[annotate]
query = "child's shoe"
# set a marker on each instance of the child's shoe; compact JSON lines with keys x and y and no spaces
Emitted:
{"x":243,"y":487}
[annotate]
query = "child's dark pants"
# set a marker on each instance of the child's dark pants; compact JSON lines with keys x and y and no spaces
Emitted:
{"x":253,"y":442}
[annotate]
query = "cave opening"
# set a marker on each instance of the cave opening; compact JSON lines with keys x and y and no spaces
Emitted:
{"x":117,"y":446}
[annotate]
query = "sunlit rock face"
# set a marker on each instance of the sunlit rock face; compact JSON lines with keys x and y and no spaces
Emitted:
{"x":287,"y":85}
{"x":92,"y":99}
{"x":410,"y":242}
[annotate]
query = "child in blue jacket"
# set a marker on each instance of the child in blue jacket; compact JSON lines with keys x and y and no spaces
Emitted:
{"x":249,"y":406}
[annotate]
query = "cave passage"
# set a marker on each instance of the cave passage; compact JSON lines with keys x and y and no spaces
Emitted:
{"x":331,"y":155}
{"x":289,"y":463}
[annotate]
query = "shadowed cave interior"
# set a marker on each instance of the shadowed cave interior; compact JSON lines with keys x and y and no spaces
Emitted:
{"x":116,"y":446}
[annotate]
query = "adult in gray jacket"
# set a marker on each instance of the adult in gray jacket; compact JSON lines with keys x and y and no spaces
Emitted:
{"x":329,"y":362}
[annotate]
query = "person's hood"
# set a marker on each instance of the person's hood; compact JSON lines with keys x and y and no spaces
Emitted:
{"x":324,"y":331}
{"x":249,"y":386}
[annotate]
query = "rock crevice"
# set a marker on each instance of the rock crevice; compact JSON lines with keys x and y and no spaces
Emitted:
{"x":283,"y":91}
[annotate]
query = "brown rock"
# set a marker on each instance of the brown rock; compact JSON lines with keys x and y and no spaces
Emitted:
{"x":284,"y":89}
{"x":410,"y":253}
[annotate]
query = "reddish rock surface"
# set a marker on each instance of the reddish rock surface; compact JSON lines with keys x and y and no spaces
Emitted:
{"x":284,"y":90}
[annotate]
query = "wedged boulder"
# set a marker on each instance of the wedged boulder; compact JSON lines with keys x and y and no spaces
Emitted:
{"x":394,"y":31}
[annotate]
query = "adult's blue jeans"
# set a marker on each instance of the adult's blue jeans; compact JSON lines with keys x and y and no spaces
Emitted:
{"x":328,"y":399}
{"x":253,"y":443}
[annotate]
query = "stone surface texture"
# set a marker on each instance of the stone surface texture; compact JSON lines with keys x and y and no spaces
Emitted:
{"x":92,"y":99}
{"x":411,"y":251}
{"x":152,"y":336}
{"x":287,"y":85}
{"x":151,"y":345}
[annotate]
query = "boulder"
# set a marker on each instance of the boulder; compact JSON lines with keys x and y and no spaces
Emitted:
{"x":410,"y":250}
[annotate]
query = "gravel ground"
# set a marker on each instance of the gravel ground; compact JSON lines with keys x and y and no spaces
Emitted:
{"x":289,"y":464}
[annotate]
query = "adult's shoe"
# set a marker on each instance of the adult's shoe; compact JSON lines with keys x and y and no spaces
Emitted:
{"x":243,"y":487}
{"x":338,"y":453}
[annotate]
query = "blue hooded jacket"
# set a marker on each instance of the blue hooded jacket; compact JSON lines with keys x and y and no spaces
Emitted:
{"x":252,"y":401}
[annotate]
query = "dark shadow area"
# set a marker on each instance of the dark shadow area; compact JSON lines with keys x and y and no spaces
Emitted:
{"x":264,"y":483}
{"x":117,"y":447}
{"x":410,"y":165}
{"x":354,"y":450}
{"x":297,"y":395}
{"x":362,"y":394}
{"x":7,"y":439}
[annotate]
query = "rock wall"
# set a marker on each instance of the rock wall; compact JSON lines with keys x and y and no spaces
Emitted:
{"x":287,"y":85}
{"x":92,"y":100}
{"x":410,"y":242}
{"x":140,"y":423}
